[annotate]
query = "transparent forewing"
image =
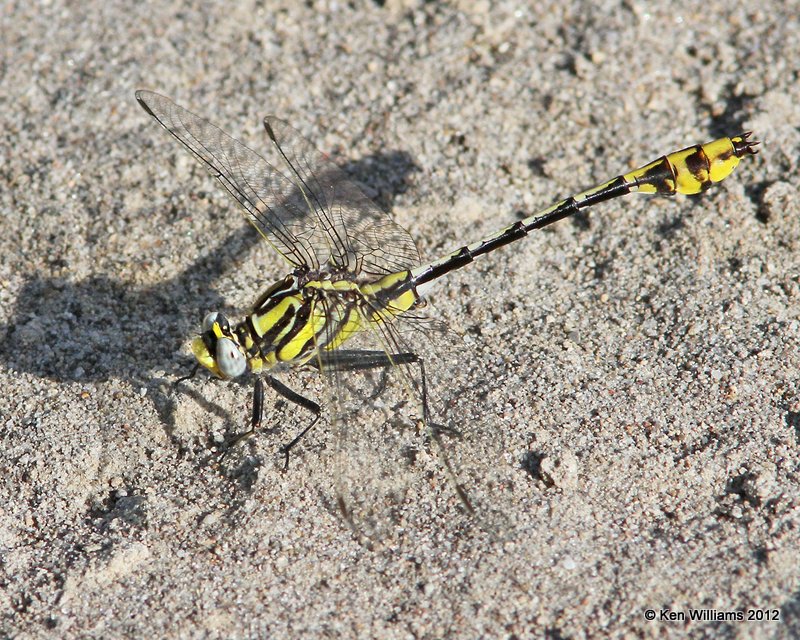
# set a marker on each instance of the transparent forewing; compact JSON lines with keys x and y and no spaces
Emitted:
{"x":269,"y":197}
{"x":361,"y":237}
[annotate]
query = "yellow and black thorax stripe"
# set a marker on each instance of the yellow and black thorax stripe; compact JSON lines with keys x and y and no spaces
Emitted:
{"x":294,"y":319}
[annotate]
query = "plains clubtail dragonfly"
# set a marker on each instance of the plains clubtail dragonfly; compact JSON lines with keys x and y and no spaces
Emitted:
{"x":354,"y":271}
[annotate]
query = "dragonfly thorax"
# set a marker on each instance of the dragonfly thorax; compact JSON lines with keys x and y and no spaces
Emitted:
{"x":298,"y":317}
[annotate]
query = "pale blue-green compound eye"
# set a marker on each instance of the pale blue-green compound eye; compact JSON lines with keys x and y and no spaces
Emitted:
{"x":230,"y":359}
{"x":211,"y":318}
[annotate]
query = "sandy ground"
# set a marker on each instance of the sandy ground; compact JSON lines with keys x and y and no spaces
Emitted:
{"x":625,"y":396}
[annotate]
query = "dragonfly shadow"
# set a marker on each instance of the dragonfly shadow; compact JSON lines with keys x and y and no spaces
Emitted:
{"x":100,"y":328}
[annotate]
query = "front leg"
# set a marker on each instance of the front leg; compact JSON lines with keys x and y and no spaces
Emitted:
{"x":258,"y":414}
{"x":296,"y":398}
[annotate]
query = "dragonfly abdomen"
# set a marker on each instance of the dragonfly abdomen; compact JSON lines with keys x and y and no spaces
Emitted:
{"x":688,"y":171}
{"x":692,"y":170}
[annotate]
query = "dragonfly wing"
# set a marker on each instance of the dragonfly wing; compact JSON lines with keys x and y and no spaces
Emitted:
{"x":270,"y":198}
{"x":392,"y":461}
{"x":363,"y":238}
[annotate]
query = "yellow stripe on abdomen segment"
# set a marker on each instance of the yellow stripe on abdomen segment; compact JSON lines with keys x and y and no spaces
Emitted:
{"x":688,"y":171}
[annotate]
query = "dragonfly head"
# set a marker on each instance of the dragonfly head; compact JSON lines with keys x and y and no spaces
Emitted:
{"x":218,"y":348}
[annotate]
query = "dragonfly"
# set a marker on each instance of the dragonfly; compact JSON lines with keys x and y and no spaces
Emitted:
{"x":352,"y":270}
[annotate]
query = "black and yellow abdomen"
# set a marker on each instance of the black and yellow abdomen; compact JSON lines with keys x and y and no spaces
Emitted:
{"x":691,"y":170}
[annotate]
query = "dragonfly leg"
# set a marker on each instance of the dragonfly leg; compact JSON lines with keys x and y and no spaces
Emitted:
{"x":255,"y":419}
{"x":258,"y":414}
{"x":344,"y":360}
{"x":347,"y":360}
{"x":436,"y":430}
{"x":293,"y":396}
{"x":355,"y":360}
{"x":189,"y":376}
